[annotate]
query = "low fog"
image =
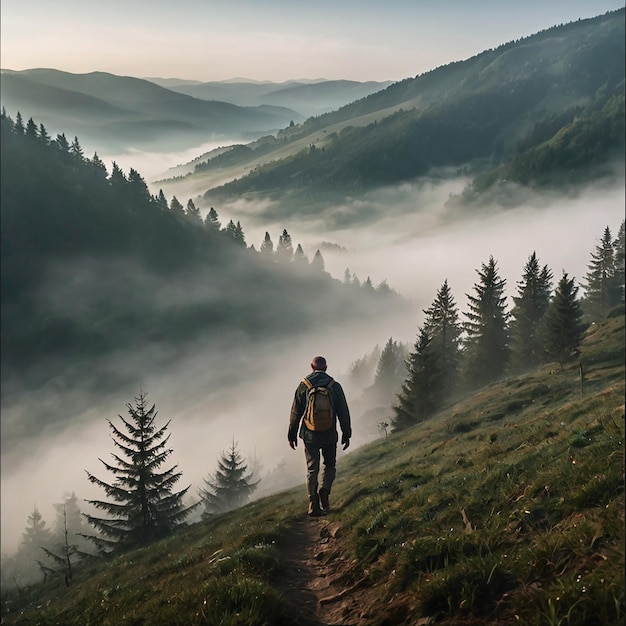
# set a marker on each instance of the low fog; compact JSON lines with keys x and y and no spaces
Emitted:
{"x":215,"y":394}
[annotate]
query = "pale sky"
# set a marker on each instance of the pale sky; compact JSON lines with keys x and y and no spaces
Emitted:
{"x":267,"y":39}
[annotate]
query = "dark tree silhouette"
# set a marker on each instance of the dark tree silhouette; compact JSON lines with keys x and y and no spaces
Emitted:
{"x":486,"y":346}
{"x":564,"y":329}
{"x":231,"y":485}
{"x":144,"y":507}
{"x":284,"y":249}
{"x":317,"y":263}
{"x":602,"y":281}
{"x":531,"y":303}
{"x":267,"y":247}
{"x":212,"y":221}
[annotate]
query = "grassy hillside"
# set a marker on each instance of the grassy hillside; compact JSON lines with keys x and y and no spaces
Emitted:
{"x":479,"y":114}
{"x":505,"y":508}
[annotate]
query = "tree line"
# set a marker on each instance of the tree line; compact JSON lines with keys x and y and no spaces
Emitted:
{"x":544,"y":325}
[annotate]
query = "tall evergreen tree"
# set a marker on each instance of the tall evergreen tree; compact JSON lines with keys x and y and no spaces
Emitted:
{"x":299,"y":258}
{"x":231,"y":485}
{"x":193,"y":212}
{"x":176,"y":207}
{"x":390,"y":371}
{"x":31,"y":128}
{"x":419,"y":394}
{"x":531,"y":303}
{"x":65,"y":556}
{"x":564,"y":329}
{"x":284,"y":249}
{"x":144,"y":506}
{"x":620,"y":248}
{"x":44,"y":137}
{"x":317,"y":263}
{"x":212,"y":221}
{"x":76,"y":151}
{"x":267,"y":247}
{"x":444,"y":328}
{"x":486,"y":345}
{"x":602,"y":288}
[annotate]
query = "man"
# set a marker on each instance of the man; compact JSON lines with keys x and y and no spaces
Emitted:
{"x":318,"y":440}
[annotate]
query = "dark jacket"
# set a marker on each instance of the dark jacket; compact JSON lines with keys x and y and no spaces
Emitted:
{"x":340,"y":408}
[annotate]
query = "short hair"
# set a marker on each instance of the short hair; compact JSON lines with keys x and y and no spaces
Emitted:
{"x":318,"y":363}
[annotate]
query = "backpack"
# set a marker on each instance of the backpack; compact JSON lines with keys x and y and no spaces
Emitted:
{"x":318,"y":415}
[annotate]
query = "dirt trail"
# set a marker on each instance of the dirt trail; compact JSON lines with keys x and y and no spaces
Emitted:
{"x":316,"y":576}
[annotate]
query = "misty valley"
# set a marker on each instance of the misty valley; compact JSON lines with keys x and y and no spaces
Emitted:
{"x":435,"y":239}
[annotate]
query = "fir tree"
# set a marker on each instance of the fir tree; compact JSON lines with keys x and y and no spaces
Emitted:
{"x":31,"y":129}
{"x":161,"y":201}
{"x":18,"y":127}
{"x":144,"y":507}
{"x":267,"y":247}
{"x":230,"y":487}
{"x":419,"y":394}
{"x":65,"y":557}
{"x":619,"y":246}
{"x":564,"y":329}
{"x":531,"y":303}
{"x":44,"y":137}
{"x":211,"y":221}
{"x":317,"y":264}
{"x":299,"y":258}
{"x":239,"y":236}
{"x":284,"y":249}
{"x":176,"y":207}
{"x":444,"y":328}
{"x":192,"y":212}
{"x":76,"y":151}
{"x":486,"y":346}
{"x":602,"y":288}
{"x":390,"y":371}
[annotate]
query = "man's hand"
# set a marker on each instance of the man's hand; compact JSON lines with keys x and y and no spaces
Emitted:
{"x":293,"y":444}
{"x":345,"y":441}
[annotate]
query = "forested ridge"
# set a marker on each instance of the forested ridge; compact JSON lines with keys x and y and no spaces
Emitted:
{"x":91,"y":261}
{"x":544,"y":110}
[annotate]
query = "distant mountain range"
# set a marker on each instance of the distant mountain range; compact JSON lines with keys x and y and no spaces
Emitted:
{"x":120,"y":112}
{"x":308,"y":98}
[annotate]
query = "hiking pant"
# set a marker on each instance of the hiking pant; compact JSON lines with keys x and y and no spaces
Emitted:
{"x":312,"y":455}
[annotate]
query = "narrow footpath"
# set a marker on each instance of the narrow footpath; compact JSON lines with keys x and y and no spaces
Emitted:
{"x":317,"y":578}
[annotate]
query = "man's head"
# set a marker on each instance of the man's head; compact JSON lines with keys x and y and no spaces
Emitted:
{"x":318,"y":363}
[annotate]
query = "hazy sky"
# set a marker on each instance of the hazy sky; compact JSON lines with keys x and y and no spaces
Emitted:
{"x":269,"y":40}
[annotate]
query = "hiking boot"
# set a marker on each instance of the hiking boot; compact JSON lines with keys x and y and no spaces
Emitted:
{"x":324,"y":504}
{"x":314,"y":507}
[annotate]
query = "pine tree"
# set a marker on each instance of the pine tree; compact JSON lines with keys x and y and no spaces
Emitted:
{"x":390,"y":371}
{"x":35,"y":537}
{"x":161,"y":201}
{"x":193,"y":212}
{"x":31,"y":128}
{"x":444,"y":328}
{"x":486,"y":346}
{"x":44,"y":137}
{"x":317,"y":264}
{"x":267,"y":247}
{"x":176,"y":207}
{"x":284,"y":249}
{"x":419,"y":394}
{"x":144,"y":507}
{"x":18,"y":127}
{"x":211,"y":221}
{"x":564,"y":329}
{"x":531,"y":303}
{"x":230,"y":487}
{"x":299,"y":258}
{"x":239,"y":236}
{"x":619,"y":246}
{"x":64,"y":557}
{"x":76,"y":151}
{"x":602,"y":288}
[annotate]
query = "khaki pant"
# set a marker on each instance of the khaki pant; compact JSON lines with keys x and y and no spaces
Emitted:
{"x":312,"y":455}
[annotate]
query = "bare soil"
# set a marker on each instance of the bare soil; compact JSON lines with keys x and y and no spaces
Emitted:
{"x":318,"y":579}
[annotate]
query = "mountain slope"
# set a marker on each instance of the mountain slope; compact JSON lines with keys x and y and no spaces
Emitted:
{"x":104,"y":108}
{"x":477,"y":114}
{"x":506,"y":507}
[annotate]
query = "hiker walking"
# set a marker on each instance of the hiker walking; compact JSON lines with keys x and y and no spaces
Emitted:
{"x":318,"y":403}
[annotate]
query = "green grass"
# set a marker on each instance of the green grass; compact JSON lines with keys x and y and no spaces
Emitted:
{"x":505,"y":508}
